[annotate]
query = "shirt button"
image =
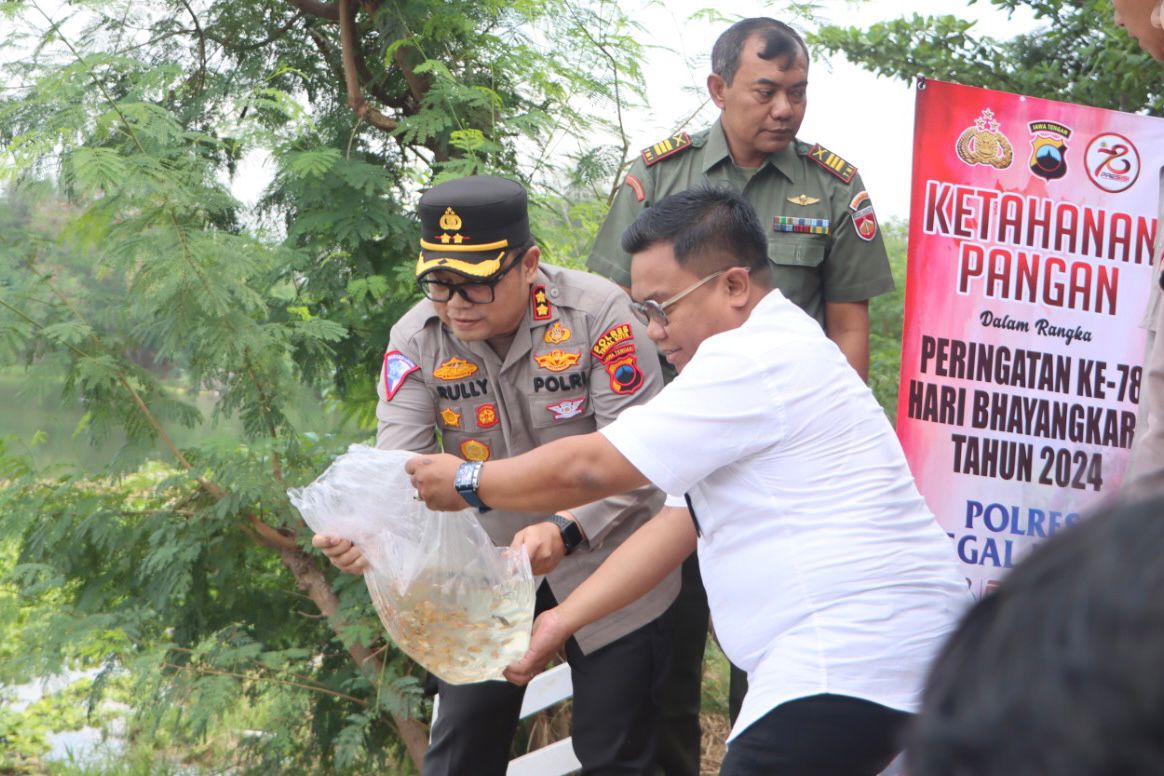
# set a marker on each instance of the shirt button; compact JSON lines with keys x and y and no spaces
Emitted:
{"x":554,"y":292}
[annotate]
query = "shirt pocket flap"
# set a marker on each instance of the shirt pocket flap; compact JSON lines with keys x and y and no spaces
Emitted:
{"x":796,"y":251}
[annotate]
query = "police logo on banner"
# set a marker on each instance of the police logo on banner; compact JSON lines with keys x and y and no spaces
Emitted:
{"x":1049,"y":149}
{"x":397,"y":367}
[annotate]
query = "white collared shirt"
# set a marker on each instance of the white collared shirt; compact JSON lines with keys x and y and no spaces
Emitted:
{"x":825,"y":571}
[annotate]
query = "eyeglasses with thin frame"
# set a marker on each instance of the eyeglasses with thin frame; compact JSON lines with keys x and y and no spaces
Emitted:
{"x":482,"y":292}
{"x":650,"y":310}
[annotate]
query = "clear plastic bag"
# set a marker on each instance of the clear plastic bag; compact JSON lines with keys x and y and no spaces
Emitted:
{"x":456,"y":604}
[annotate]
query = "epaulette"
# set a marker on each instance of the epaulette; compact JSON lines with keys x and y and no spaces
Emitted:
{"x":664,"y":148}
{"x":833,"y":163}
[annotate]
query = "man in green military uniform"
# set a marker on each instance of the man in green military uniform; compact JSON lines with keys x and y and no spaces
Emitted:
{"x":825,"y":252}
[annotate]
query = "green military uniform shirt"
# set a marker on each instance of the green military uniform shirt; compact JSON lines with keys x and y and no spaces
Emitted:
{"x":823,"y":241}
{"x":578,"y":359}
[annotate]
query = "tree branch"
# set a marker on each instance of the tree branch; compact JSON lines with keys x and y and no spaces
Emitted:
{"x":350,"y":42}
{"x":321,"y":10}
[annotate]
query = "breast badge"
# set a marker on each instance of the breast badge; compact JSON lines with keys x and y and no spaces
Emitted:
{"x":454,"y":369}
{"x":487,"y":416}
{"x":1049,"y":149}
{"x":803,"y":200}
{"x":800,"y":225}
{"x":557,"y":334}
{"x":558,"y":360}
{"x":475,"y":450}
{"x":451,"y":418}
{"x":984,"y":144}
{"x":567,"y":408}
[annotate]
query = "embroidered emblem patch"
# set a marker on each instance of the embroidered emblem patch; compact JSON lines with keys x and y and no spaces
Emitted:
{"x":625,"y":375}
{"x":541,"y":304}
{"x":454,"y":369}
{"x":558,"y":360}
{"x":397,"y":367}
{"x":487,"y":416}
{"x":567,"y":408}
{"x":833,"y":163}
{"x":475,"y":450}
{"x":800,"y":225}
{"x":611,"y":337}
{"x":664,"y":148}
{"x":864,"y":219}
{"x":557,"y":334}
{"x":451,"y":418}
{"x":803,"y":200}
{"x":636,"y":186}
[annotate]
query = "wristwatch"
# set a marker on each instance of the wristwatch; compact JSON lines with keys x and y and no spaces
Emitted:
{"x":467,"y":481}
{"x":571,"y":533}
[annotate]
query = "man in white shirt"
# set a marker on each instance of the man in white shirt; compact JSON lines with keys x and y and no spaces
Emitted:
{"x":828,"y":579}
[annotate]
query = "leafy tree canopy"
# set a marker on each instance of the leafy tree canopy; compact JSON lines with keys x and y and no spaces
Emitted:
{"x":1076,"y":54}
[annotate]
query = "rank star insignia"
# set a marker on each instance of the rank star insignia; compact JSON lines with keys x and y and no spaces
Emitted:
{"x":454,"y":369}
{"x":558,"y":360}
{"x":541,"y":304}
{"x":451,"y":418}
{"x":803,"y":200}
{"x":557,"y":334}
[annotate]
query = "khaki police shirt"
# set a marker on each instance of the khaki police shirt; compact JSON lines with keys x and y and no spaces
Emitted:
{"x":809,"y":269}
{"x":578,"y":359}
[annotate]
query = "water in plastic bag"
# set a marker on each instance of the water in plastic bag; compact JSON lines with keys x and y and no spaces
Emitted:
{"x":456,"y":604}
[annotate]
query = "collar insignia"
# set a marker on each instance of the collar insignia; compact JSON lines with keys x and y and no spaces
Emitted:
{"x":541,"y":304}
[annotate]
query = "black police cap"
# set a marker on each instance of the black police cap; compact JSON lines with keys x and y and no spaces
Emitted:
{"x":468,"y":225}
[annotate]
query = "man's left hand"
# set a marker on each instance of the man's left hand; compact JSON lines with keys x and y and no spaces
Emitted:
{"x":433,"y":476}
{"x":543,"y":543}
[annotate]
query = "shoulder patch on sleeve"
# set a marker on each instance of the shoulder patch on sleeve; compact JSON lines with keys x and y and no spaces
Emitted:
{"x":833,"y":163}
{"x":664,"y":148}
{"x":397,"y":367}
{"x":636,"y":186}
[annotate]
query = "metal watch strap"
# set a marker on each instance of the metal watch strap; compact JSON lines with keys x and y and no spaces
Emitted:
{"x":467,"y":481}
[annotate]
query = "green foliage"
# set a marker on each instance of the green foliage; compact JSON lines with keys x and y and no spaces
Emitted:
{"x":1077,"y":54}
{"x":886,"y":319}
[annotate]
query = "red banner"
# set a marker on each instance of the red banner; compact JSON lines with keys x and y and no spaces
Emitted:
{"x":1032,"y":233}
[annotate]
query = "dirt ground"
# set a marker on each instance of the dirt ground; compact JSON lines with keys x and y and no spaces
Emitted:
{"x":715,"y":731}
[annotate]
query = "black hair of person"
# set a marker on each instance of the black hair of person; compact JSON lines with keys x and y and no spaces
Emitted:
{"x":709,"y":229}
{"x":780,"y":42}
{"x":1059,"y":670}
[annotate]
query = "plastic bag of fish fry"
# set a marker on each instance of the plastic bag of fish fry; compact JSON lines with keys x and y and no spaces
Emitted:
{"x":455,"y":603}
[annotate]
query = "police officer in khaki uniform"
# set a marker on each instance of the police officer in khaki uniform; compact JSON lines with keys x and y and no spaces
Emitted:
{"x":825,"y":253}
{"x":504,"y":355}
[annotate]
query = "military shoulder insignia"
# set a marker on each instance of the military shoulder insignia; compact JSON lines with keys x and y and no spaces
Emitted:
{"x":558,"y":360}
{"x":475,"y":450}
{"x":636,"y":186}
{"x":833,"y":163}
{"x":557,"y":334}
{"x":397,"y":367}
{"x":864,"y":219}
{"x":454,"y":369}
{"x":541,"y":304}
{"x":803,"y":200}
{"x":659,"y":151}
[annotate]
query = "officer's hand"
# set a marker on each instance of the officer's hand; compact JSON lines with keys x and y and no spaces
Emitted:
{"x":549,"y":634}
{"x":344,"y":555}
{"x":543,"y":543}
{"x":433,"y":476}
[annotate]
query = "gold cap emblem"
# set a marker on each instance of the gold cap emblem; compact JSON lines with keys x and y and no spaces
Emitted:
{"x":450,"y":220}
